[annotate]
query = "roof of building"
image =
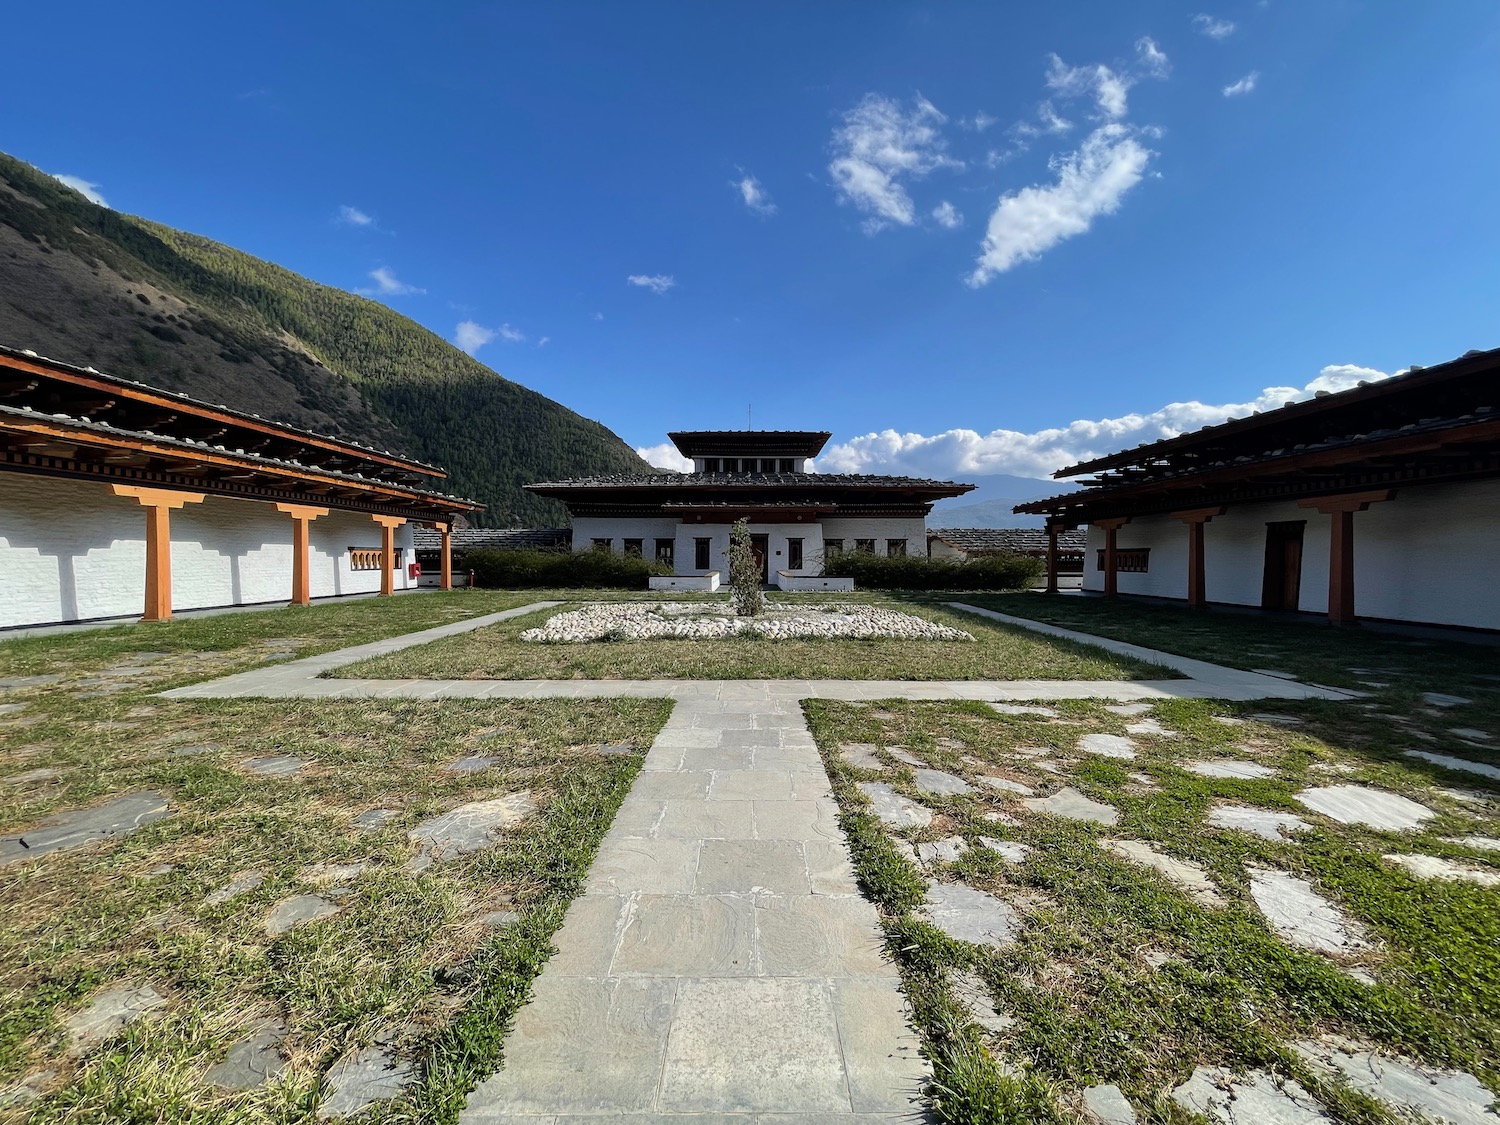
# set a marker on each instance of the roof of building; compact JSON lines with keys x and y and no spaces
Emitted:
{"x":1023,"y":540}
{"x":497,"y":538}
{"x":779,"y":443}
{"x":688,"y":482}
{"x":48,"y":385}
{"x":1437,"y":423}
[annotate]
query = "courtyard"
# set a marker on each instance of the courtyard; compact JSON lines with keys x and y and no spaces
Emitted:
{"x":1242,"y":872}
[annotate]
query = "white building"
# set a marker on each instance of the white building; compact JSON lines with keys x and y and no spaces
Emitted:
{"x":121,"y":500}
{"x":798,"y":518}
{"x":1379,"y":502}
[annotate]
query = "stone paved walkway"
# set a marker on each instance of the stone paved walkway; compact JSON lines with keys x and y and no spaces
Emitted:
{"x":720,"y":965}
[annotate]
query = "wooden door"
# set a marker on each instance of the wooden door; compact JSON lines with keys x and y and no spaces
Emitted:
{"x":761,"y":545}
{"x":1281,"y":587}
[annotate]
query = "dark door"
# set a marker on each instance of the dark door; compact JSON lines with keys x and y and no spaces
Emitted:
{"x":1282,"y":586}
{"x":761,"y":545}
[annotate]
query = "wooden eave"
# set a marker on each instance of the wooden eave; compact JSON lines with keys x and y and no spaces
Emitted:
{"x":77,"y":390}
{"x":48,"y":445}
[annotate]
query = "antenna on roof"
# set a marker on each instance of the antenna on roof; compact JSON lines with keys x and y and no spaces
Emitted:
{"x":750,"y":416}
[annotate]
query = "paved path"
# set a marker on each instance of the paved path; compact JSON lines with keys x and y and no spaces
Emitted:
{"x":720,"y":965}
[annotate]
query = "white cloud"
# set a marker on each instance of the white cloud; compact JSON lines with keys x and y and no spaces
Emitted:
{"x":1090,"y":182}
{"x":388,"y":285}
{"x":658,"y":283}
{"x":470,"y":337}
{"x":962,"y":453}
{"x":1052,"y":121}
{"x":982,"y":121}
{"x":1153,"y":59}
{"x":354,"y":217}
{"x":85,"y":188}
{"x":1243,"y":86}
{"x":512,"y":335}
{"x":598,"y":316}
{"x":1108,"y":87}
{"x":1212,"y":27}
{"x":543,"y":341}
{"x":756,"y":197}
{"x":948,"y":215}
{"x":665,"y":456}
{"x":878,"y":147}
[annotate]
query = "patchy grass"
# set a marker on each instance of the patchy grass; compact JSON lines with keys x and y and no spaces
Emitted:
{"x":1120,"y":977}
{"x":408,"y":960}
{"x":999,"y":652}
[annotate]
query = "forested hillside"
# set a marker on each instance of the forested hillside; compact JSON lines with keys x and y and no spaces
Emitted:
{"x":88,"y":285}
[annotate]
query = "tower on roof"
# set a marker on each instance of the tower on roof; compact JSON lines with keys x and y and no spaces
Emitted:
{"x":750,"y":451}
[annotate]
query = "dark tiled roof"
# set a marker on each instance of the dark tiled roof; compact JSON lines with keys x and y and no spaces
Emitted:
{"x":501,"y":538}
{"x":1024,"y":540}
{"x":28,"y":355}
{"x":688,"y":481}
{"x":189,"y":446}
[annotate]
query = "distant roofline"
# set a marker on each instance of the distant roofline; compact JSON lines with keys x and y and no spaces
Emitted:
{"x":24,"y":359}
{"x":784,"y":443}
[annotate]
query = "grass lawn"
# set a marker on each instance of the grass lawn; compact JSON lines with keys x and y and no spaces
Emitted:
{"x":998,"y":652}
{"x":1118,"y":975}
{"x":409,"y":961}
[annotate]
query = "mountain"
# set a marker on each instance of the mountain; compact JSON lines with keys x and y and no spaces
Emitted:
{"x":990,"y":504}
{"x":87,"y":285}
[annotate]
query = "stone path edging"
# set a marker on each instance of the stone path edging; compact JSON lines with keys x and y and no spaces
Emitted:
{"x":721,"y":961}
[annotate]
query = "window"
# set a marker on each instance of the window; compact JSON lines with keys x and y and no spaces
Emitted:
{"x":731,"y":465}
{"x":832,"y":548}
{"x":603,"y":544}
{"x":794,"y":554}
{"x":1134,"y":561}
{"x":895,"y":548}
{"x":788,"y":465}
{"x":710,"y":464}
{"x":665,"y":550}
{"x":368,"y":558}
{"x":864,"y":546}
{"x":633,"y":547}
{"x":700,"y":553}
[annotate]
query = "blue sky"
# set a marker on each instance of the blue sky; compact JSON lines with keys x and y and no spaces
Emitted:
{"x":967,"y":238}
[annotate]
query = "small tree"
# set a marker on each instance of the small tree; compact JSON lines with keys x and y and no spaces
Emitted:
{"x":744,"y":572}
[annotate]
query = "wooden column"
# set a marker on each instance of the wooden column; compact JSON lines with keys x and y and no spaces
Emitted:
{"x":302,"y":517}
{"x":445,"y":532}
{"x":1053,"y":529}
{"x":1197,"y":592}
{"x":158,"y":502}
{"x":1111,"y":545}
{"x":1341,"y":548}
{"x":388,"y":526}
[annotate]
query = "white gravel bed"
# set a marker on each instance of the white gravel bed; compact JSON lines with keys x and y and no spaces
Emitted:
{"x":700,"y":620}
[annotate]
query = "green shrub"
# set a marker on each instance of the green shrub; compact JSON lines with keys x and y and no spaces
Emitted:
{"x":511,"y":570}
{"x":918,"y":572}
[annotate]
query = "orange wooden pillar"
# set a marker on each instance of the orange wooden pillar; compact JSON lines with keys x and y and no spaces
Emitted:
{"x":158,"y":502}
{"x":1111,"y":545}
{"x":1341,"y":548}
{"x":302,"y":517}
{"x":1197,"y":591}
{"x":388,"y":526}
{"x":445,"y":532}
{"x":1053,"y":529}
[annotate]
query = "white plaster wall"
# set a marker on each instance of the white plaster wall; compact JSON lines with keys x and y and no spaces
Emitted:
{"x":939,"y":549}
{"x":588,"y":528}
{"x":1423,"y":557}
{"x":914,"y":531}
{"x":73,"y":551}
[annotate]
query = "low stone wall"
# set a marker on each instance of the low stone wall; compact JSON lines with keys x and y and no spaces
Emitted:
{"x":701,"y":583}
{"x":806,"y":583}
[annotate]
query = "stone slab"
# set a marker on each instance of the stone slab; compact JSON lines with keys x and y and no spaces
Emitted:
{"x":1108,"y":1105}
{"x":69,"y":830}
{"x":1444,"y":870}
{"x":894,"y":809}
{"x":1189,"y":877}
{"x":1301,"y":916}
{"x":752,"y":866}
{"x":1462,"y":765}
{"x":294,"y":911}
{"x":861,"y":755}
{"x":948,"y":850}
{"x":1229,"y":768}
{"x":1250,"y":1099}
{"x":974,"y":995}
{"x":363,"y":1079}
{"x":473,"y":826}
{"x":1069,"y":802}
{"x":1265,"y":823}
{"x":1008,"y":850}
{"x":1107,"y":746}
{"x":1004,"y":784}
{"x":274,"y":765}
{"x":966,"y":914}
{"x":110,"y":1012}
{"x":1359,"y":804}
{"x":1436,"y":1095}
{"x":251,"y":1062}
{"x":243,"y":883}
{"x":941,"y":784}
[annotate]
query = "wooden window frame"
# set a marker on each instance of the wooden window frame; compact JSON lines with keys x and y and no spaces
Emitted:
{"x":634,"y":548}
{"x":794,"y":554}
{"x":864,"y":546}
{"x":899,"y":546}
{"x":1128,"y":560}
{"x":702,"y":553}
